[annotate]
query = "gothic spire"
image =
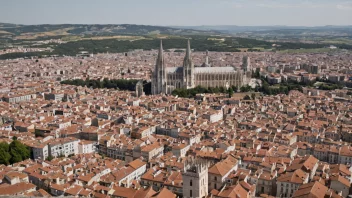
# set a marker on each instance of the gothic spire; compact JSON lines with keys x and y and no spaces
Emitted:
{"x":160,"y":55}
{"x":207,"y":58}
{"x":188,"y":51}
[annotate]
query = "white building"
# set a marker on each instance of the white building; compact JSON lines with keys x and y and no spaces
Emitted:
{"x":63,"y":147}
{"x":139,"y":167}
{"x":54,"y":96}
{"x":180,"y":150}
{"x":85,"y":146}
{"x":40,"y":150}
{"x":214,"y":116}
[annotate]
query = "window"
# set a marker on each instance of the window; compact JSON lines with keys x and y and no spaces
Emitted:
{"x":190,"y":193}
{"x":190,"y":183}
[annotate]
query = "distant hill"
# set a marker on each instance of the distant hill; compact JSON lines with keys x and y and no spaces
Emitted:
{"x":239,"y":29}
{"x":110,"y":38}
{"x":96,"y":29}
{"x":8,"y":25}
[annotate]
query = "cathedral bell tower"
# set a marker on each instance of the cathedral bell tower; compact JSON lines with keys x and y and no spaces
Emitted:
{"x":159,"y":84}
{"x":188,"y":69}
{"x":195,"y":178}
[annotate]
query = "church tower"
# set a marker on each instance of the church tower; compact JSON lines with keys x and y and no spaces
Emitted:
{"x":206,"y":63}
{"x":247,"y":68}
{"x":188,"y":69}
{"x":139,"y":89}
{"x":195,"y":178}
{"x":159,"y":75}
{"x":246,"y":64}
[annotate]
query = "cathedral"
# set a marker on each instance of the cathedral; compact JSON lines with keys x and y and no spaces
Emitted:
{"x":166,"y":79}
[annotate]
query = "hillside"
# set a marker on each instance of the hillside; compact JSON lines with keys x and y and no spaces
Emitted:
{"x":94,"y":30}
{"x":318,"y":34}
{"x":19,"y":41}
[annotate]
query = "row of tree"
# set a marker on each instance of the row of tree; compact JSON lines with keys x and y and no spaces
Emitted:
{"x":13,"y":152}
{"x":121,"y":84}
{"x":282,"y":88}
{"x":266,"y":88}
{"x":330,"y":86}
{"x":247,"y":97}
{"x":190,"y":93}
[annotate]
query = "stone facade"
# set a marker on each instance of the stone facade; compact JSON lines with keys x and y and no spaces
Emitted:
{"x":167,"y":79}
{"x":139,"y":89}
{"x":195,"y":179}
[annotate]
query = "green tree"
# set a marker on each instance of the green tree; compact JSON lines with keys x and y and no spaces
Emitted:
{"x":253,"y":96}
{"x":257,"y":73}
{"x":246,"y":88}
{"x":49,"y":158}
{"x":5,"y":157}
{"x":234,"y":88}
{"x":4,"y":153}
{"x":230,"y":91}
{"x":222,"y":90}
{"x":15,"y":157}
{"x":18,"y":151}
{"x":246,"y":97}
{"x":216,"y":90}
{"x":4,"y":146}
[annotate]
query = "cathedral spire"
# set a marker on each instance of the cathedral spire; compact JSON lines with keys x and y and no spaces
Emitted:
{"x":207,"y":58}
{"x":188,"y":69}
{"x":161,"y":51}
{"x":188,"y":50}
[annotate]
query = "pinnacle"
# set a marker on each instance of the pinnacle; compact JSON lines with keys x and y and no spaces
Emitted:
{"x":160,"y":55}
{"x":188,"y":51}
{"x":161,"y":45}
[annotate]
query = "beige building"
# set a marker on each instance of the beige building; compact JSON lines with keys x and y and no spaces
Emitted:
{"x":266,"y":183}
{"x":345,"y":155}
{"x":218,"y":173}
{"x":289,"y":182}
{"x":340,"y":185}
{"x":149,"y":151}
{"x":195,"y":178}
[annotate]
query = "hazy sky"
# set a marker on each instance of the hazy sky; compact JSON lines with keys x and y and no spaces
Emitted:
{"x":178,"y":12}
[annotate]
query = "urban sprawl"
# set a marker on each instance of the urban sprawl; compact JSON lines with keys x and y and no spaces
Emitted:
{"x":86,"y":142}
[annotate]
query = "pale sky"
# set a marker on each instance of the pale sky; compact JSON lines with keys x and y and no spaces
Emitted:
{"x":178,"y":12}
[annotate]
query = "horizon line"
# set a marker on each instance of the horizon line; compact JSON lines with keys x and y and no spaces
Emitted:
{"x":172,"y":25}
